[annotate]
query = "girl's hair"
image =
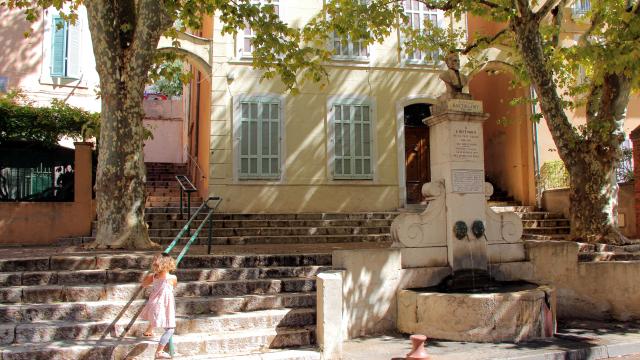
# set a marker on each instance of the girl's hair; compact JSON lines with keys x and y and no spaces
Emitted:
{"x":163,"y":262}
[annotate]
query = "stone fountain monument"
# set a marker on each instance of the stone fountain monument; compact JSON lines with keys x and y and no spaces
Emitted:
{"x":460,"y":231}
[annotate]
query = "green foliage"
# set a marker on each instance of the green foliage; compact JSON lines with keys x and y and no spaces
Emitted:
{"x":21,"y":120}
{"x":553,"y":175}
{"x":169,"y":77}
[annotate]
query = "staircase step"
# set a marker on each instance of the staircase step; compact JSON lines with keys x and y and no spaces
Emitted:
{"x":279,"y":231}
{"x":518,"y":209}
{"x":262,"y":240}
{"x":177,"y":223}
{"x":558,"y":237}
{"x":48,"y":331}
{"x":170,"y":213}
{"x":540,"y":215}
{"x":86,"y":277}
{"x":191,"y":344}
{"x":185,"y":306}
{"x":551,"y":230}
{"x":528,"y":224}
{"x":270,"y":354}
{"x":143,"y":261}
{"x":607,"y":256}
{"x":115,"y":292}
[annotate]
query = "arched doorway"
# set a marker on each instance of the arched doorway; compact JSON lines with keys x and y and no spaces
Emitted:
{"x":416,"y":150}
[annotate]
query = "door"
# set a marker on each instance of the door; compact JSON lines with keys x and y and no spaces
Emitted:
{"x":416,"y":161}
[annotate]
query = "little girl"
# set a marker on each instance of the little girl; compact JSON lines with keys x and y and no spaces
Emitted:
{"x":160,"y":310}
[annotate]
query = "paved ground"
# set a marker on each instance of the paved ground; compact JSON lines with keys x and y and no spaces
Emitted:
{"x":576,"y":340}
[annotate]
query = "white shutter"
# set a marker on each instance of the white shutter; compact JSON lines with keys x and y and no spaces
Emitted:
{"x":73,"y":50}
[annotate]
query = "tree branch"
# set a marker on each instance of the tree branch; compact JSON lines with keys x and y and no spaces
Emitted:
{"x":484,"y":40}
{"x":558,"y":15}
{"x":546,"y":8}
{"x":152,"y":21}
{"x":104,"y":38}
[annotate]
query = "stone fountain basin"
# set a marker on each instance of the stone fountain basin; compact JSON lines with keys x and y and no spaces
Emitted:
{"x":510,"y":314}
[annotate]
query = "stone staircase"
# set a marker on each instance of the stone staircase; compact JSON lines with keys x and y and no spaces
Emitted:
{"x":604,"y":252}
{"x":538,"y":224}
{"x":64,"y":307}
{"x":254,"y":297}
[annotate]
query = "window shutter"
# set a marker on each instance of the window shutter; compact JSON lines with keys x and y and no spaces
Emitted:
{"x":73,"y":51}
{"x":260,"y":139}
{"x":58,"y":47}
{"x":352,"y":141}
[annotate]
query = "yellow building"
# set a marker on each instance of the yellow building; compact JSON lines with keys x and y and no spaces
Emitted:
{"x":357,"y":144}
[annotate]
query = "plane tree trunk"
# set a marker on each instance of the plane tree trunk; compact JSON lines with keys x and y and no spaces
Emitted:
{"x":125,"y":35}
{"x":591,"y":156}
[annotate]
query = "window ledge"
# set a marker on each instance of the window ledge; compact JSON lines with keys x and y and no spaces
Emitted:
{"x":63,"y":82}
{"x":350,"y":59}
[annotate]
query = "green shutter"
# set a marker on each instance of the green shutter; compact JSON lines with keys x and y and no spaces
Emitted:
{"x":352,"y":141}
{"x":58,"y":47}
{"x":259,"y":139}
{"x":73,"y":51}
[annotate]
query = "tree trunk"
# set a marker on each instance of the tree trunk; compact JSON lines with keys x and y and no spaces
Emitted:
{"x":120,"y":184}
{"x":125,"y":35}
{"x":593,"y":196}
{"x":590,"y":158}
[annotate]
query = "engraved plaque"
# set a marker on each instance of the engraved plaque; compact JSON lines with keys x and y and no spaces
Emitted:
{"x":462,"y":105}
{"x":467,"y":181}
{"x":466,"y":142}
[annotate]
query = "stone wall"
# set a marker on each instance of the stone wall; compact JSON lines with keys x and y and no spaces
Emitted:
{"x":557,"y":201}
{"x":42,"y":223}
{"x":371,"y":280}
{"x":586,"y":290}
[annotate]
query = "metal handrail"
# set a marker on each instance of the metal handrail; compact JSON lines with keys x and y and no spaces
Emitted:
{"x":186,"y":186}
{"x":185,"y":228}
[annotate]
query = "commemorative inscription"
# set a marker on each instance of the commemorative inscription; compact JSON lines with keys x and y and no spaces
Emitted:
{"x":467,"y":181}
{"x":465,"y":142}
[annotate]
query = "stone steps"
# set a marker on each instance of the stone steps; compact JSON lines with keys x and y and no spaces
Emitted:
{"x":607,"y":256}
{"x":526,"y":236}
{"x":191,"y":344}
{"x":545,"y":223}
{"x":202,"y":239}
{"x":279,"y":231}
{"x":49,"y":331}
{"x":143,"y":261}
{"x":173,"y":213}
{"x":250,"y":224}
{"x":270,"y":231}
{"x":86,"y":277}
{"x":299,"y":354}
{"x":115,"y":292}
{"x":185,"y":306}
{"x":549,"y":230}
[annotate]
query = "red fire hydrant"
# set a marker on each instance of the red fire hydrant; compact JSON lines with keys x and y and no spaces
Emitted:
{"x":418,"y":352}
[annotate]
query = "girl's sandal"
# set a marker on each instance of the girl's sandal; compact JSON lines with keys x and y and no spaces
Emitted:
{"x":163,"y":355}
{"x":147,"y":334}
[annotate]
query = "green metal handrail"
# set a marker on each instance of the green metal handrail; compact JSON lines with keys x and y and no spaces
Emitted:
{"x":185,"y":228}
{"x":175,"y":241}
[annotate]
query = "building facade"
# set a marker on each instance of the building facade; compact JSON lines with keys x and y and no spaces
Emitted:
{"x":355,"y":144}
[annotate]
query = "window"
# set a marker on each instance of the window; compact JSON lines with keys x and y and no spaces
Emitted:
{"x":347,"y":48}
{"x":259,"y":138}
{"x":246,"y":45}
{"x":351,"y":138}
{"x":581,"y":7}
{"x":418,"y":14}
{"x":65,"y":49}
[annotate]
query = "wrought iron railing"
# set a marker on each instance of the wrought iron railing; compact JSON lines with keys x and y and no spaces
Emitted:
{"x":41,"y":183}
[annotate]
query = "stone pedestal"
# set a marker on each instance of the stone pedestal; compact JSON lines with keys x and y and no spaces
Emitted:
{"x":457,"y":196}
{"x":457,"y":160}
